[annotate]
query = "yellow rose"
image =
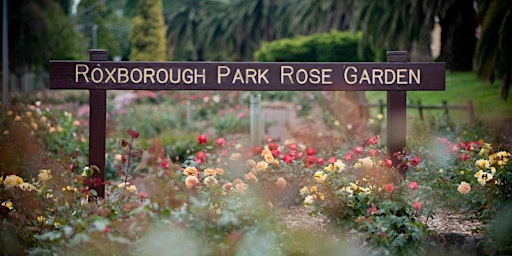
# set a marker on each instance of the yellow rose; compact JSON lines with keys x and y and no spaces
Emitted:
{"x":303,"y":190}
{"x":320,"y":177}
{"x":44,"y":175}
{"x":12,"y":181}
{"x":8,"y":204}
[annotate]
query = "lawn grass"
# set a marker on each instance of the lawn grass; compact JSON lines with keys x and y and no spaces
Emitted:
{"x":460,"y":88}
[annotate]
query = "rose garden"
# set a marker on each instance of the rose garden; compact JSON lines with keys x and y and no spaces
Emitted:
{"x":200,"y":189}
{"x":256,"y":127}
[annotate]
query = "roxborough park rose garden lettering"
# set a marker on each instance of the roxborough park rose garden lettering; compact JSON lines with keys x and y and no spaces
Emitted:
{"x":203,"y":191}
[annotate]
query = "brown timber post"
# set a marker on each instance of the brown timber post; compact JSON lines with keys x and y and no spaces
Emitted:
{"x":97,"y":128}
{"x":396,"y":116}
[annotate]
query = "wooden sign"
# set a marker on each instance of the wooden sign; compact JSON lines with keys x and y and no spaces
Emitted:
{"x":397,"y":76}
{"x":247,"y":76}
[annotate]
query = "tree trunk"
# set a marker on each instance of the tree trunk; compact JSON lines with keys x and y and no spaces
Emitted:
{"x":421,"y":51}
{"x":458,"y":39}
{"x":505,"y":85}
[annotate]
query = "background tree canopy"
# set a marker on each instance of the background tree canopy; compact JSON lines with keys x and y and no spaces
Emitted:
{"x":235,"y":29}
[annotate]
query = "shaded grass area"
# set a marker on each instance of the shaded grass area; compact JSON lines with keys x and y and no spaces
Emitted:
{"x":460,"y":88}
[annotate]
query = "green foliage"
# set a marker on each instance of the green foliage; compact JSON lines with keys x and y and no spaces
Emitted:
{"x":39,"y":31}
{"x":328,"y":47}
{"x":147,"y":38}
{"x":494,"y":48}
{"x":359,"y":191}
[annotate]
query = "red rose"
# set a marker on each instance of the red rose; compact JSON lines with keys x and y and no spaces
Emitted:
{"x":201,"y":139}
{"x":389,"y":187}
{"x":358,"y":149}
{"x":133,"y":133}
{"x":413,"y":185}
{"x":415,"y":161}
{"x":273,"y":146}
{"x":287,"y":159}
{"x":221,"y":142}
{"x":275,"y":153}
{"x":417,"y":206}
{"x":310,"y":151}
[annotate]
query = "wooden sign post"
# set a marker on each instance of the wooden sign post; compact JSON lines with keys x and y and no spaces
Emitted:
{"x":397,"y":76}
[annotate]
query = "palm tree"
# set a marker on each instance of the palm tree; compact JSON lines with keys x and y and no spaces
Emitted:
{"x":494,"y":49}
{"x":314,"y":16}
{"x":186,"y":26}
{"x":405,"y":25}
{"x":252,"y":21}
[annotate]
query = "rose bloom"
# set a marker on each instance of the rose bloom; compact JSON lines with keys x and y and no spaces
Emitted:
{"x":201,"y":139}
{"x":261,"y":166}
{"x":304,"y":190}
{"x":482,"y":164}
{"x":8,"y":204}
{"x":12,"y":181}
{"x":329,"y":168}
{"x":27,"y":187}
{"x":464,"y":188}
{"x":320,"y":176}
{"x":366,"y":162}
{"x":281,"y":182}
{"x":131,"y":189}
{"x":45,"y":175}
{"x":389,"y":187}
{"x":219,"y":171}
{"x":190,"y":171}
{"x":209,"y":172}
{"x":250,"y":176}
{"x":339,"y":166}
{"x":308,"y":201}
{"x":235,"y":156}
{"x":241,"y":187}
{"x":484,"y":177}
{"x":210,"y":181}
{"x":221,"y":142}
{"x":227,"y":186}
{"x":413,"y":185}
{"x":191,"y":181}
{"x":417,"y":206}
{"x":266,"y":152}
{"x":269,"y":158}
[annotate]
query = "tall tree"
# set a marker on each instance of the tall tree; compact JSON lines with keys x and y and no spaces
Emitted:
{"x":458,"y":40}
{"x":39,"y":30}
{"x":254,"y":21}
{"x":494,"y":49}
{"x":405,"y":24}
{"x":191,"y":23}
{"x":148,"y":40}
{"x":314,"y":16}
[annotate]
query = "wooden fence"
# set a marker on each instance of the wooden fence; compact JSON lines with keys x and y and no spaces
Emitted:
{"x":445,"y":107}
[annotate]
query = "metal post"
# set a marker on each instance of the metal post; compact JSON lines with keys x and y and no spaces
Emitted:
{"x":5,"y":56}
{"x":396,"y":117}
{"x":255,"y":119}
{"x":94,"y":36}
{"x":97,"y":127}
